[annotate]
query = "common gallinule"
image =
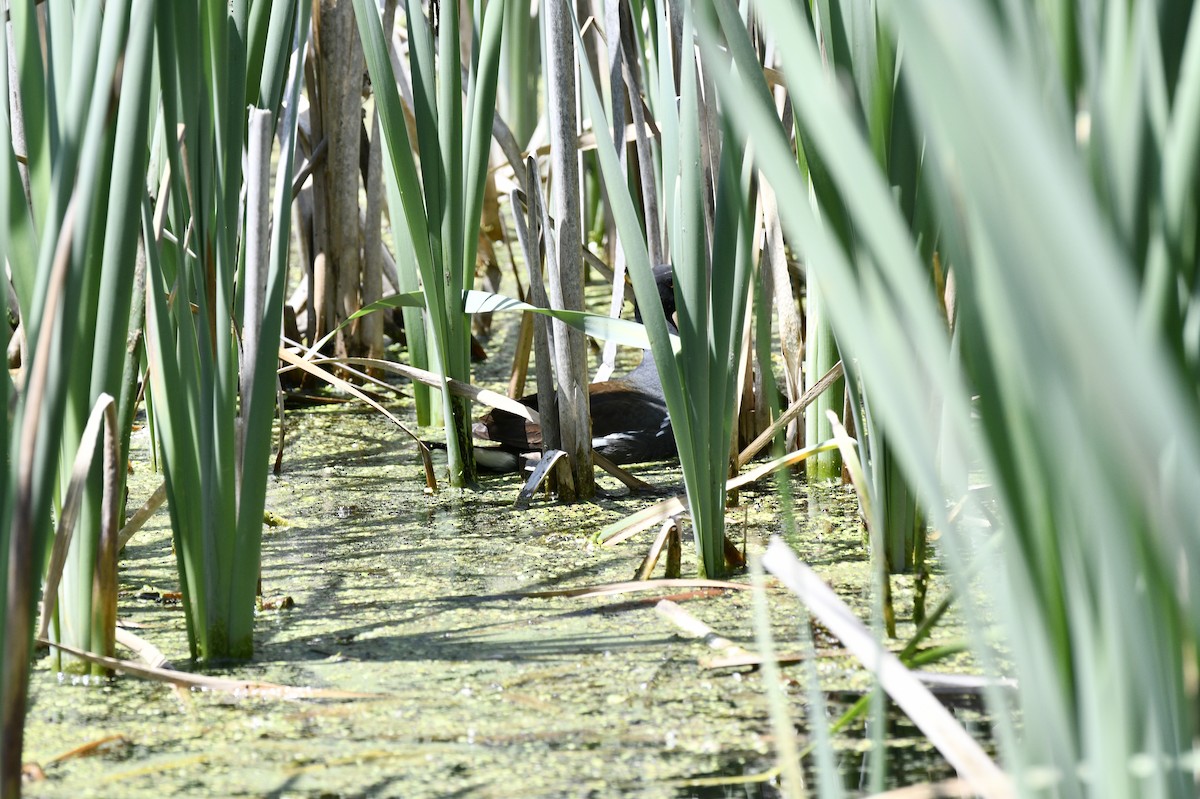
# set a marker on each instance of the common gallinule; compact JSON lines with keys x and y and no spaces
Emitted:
{"x":629,"y":414}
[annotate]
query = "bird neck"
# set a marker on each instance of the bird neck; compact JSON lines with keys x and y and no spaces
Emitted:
{"x":645,"y":375}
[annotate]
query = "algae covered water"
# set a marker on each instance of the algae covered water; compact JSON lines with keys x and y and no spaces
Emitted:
{"x":473,"y":690}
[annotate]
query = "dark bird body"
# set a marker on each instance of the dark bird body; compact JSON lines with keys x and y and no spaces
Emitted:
{"x":629,"y":414}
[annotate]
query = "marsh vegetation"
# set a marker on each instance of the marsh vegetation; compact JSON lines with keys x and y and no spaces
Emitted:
{"x":936,"y":262}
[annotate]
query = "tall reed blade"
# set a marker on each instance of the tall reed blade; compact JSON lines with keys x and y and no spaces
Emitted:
{"x":214,"y":428}
{"x":1055,"y":396}
{"x":75,"y":285}
{"x":442,"y":198}
{"x":108,"y":262}
{"x":707,"y":223}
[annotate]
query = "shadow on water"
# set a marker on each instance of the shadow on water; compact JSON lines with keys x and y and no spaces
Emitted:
{"x":474,"y":692}
{"x":909,"y":758}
